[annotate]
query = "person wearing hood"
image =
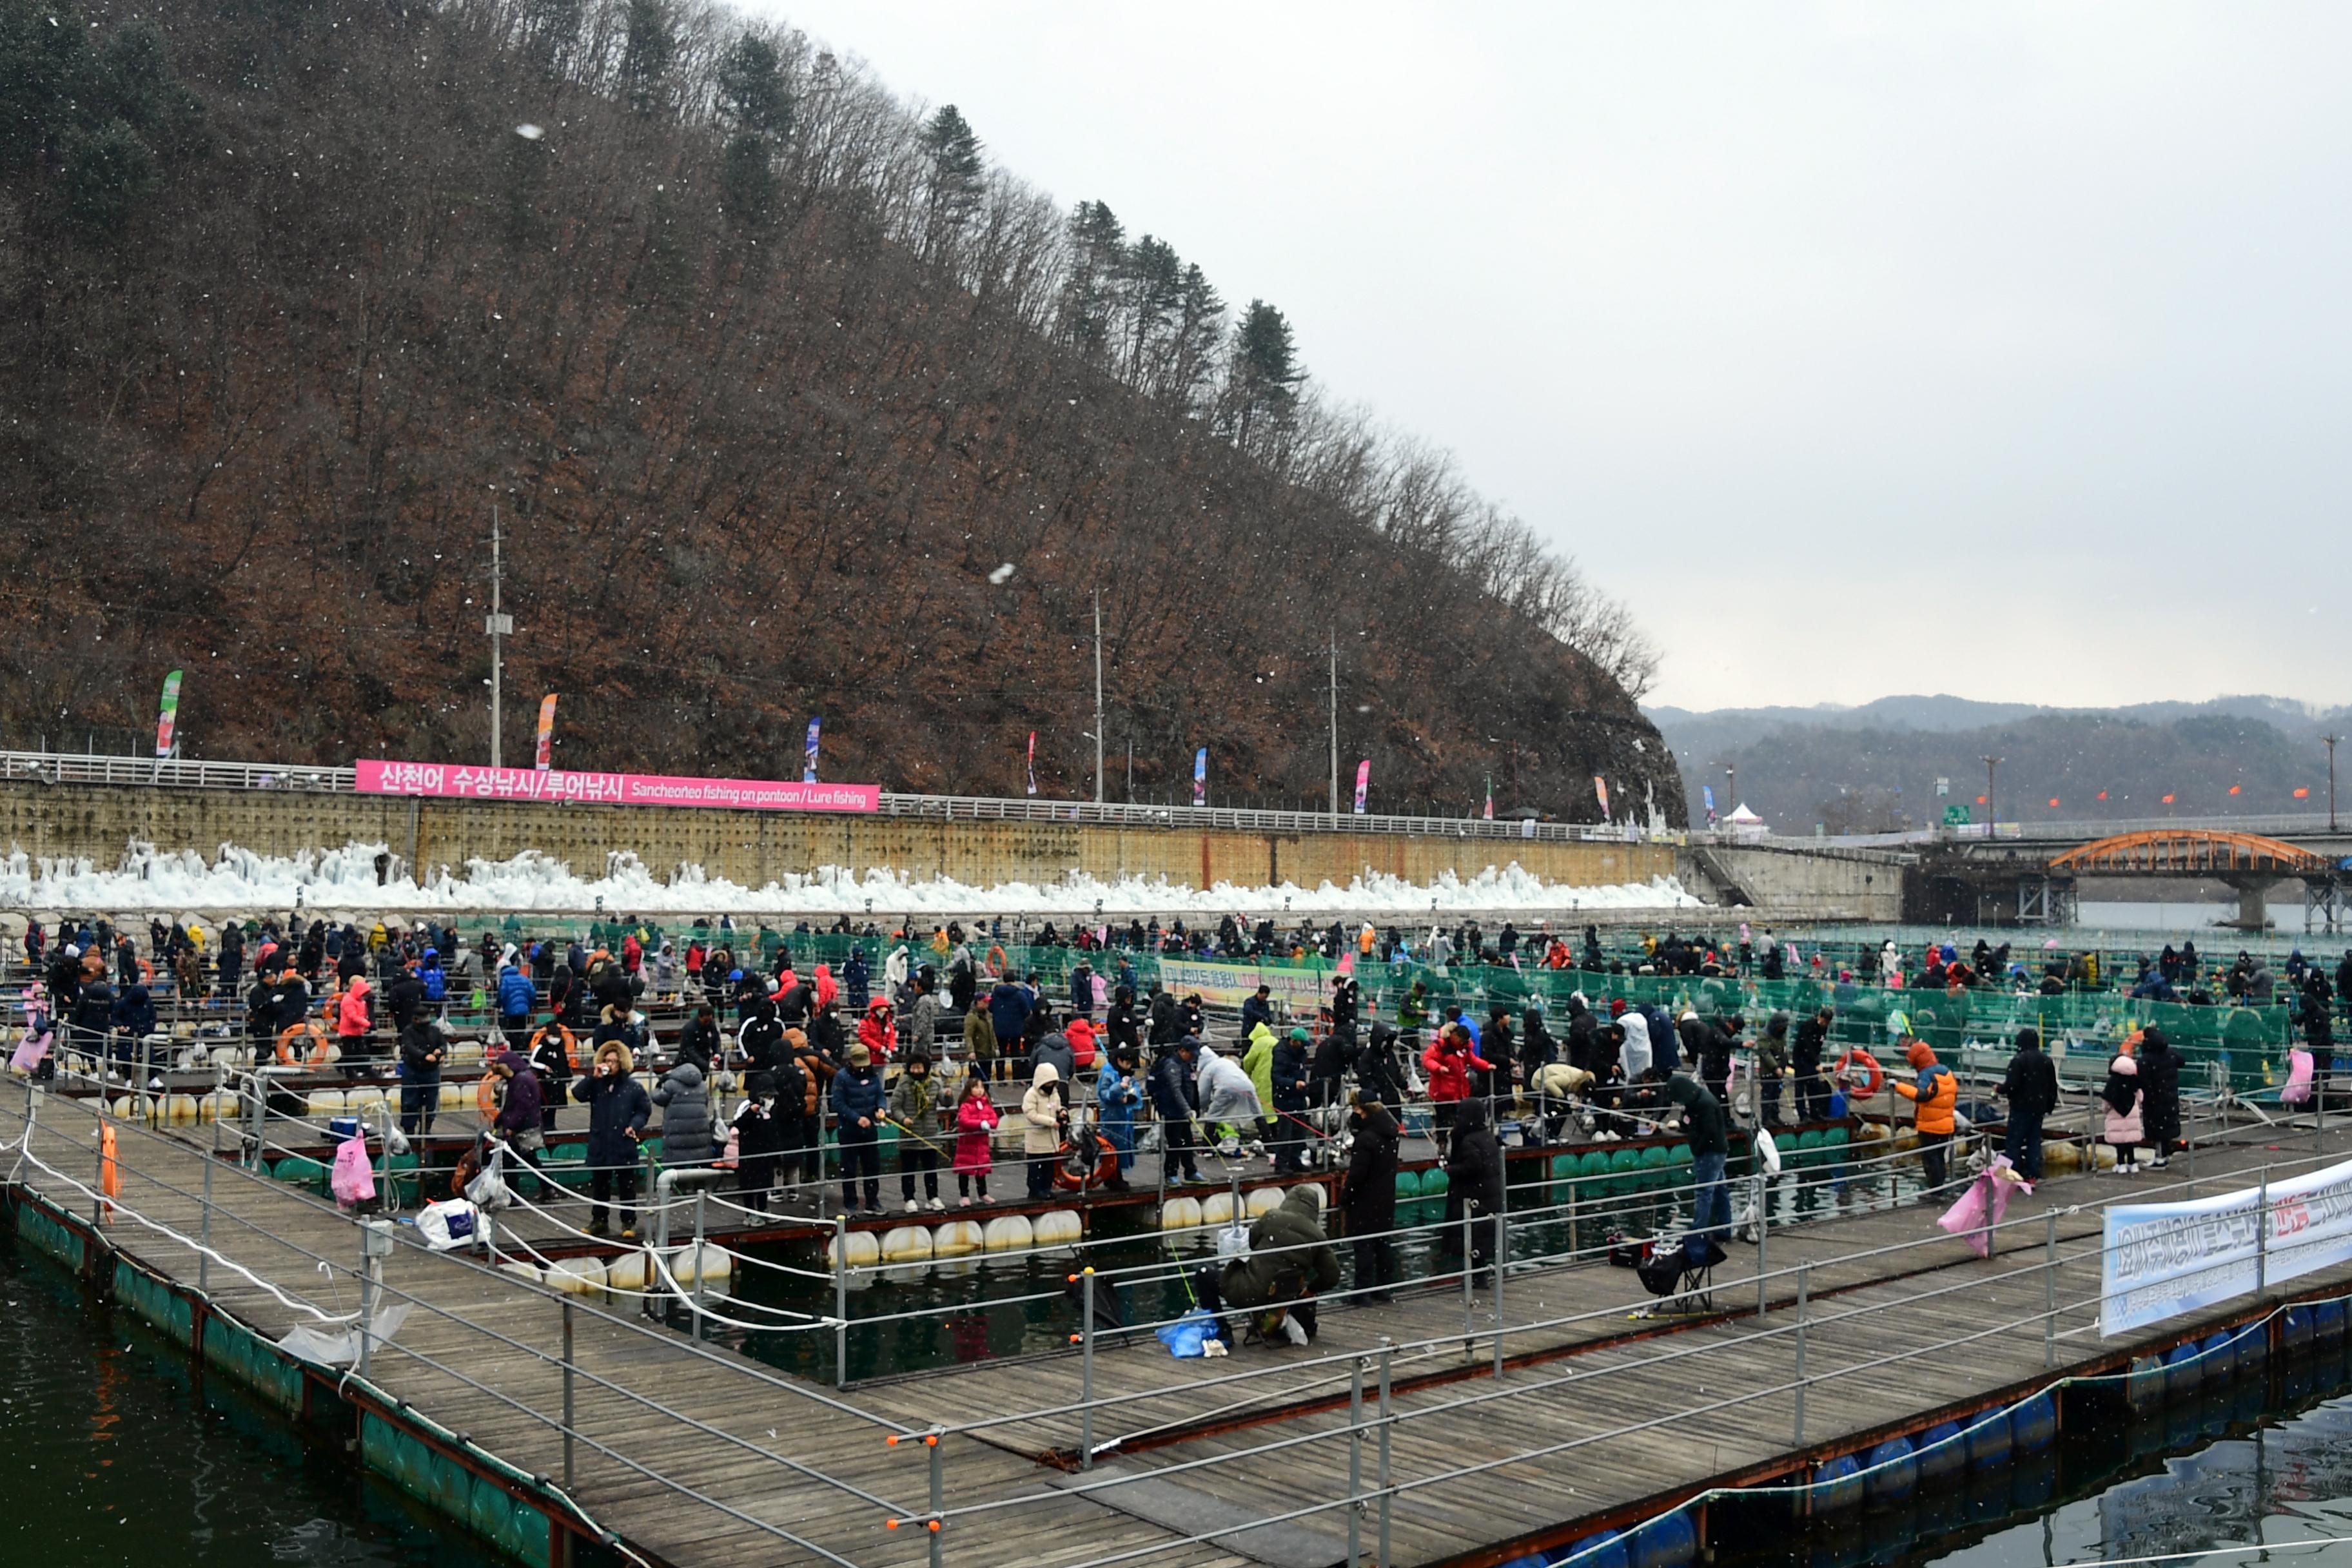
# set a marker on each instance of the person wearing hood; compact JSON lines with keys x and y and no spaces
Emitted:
{"x":2159,"y":1087}
{"x":517,"y":998}
{"x":520,"y":1108}
{"x":975,"y":1124}
{"x":915,"y":1110}
{"x":2030,"y":1086}
{"x":1257,"y":1060}
{"x":1538,"y":1047}
{"x":1378,"y":1071}
{"x":1703,"y":1115}
{"x":1287,"y":1069}
{"x":1163,"y":1027}
{"x":1368,"y":1192}
{"x":1935,"y":1093}
{"x":354,"y":1020}
{"x":133,"y":1017}
{"x":2124,"y":1129}
{"x":1635,"y":1057}
{"x":422,"y":1044}
{"x":803,"y":1089}
{"x":551,"y":1058}
{"x":858,"y":1102}
{"x":618,"y":1111}
{"x":1175,"y":1101}
{"x":1229,"y":1099}
{"x":92,"y":1030}
{"x":1805,"y":1062}
{"x":1290,"y":1260}
{"x":1474,"y":1164}
{"x":1772,"y":1069}
{"x":685,"y":1099}
{"x":1045,"y":1112}
{"x":877,"y":1031}
{"x":1054,"y":1047}
{"x":1009,"y":1006}
{"x":1119,"y":1090}
{"x":2318,"y":1033}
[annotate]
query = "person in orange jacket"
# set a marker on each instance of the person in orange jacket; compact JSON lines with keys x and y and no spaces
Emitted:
{"x":1935,"y":1091}
{"x":1449,"y":1061}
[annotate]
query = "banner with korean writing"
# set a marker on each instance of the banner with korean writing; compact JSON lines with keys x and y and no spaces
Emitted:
{"x":1297,"y":992}
{"x":546,"y":731}
{"x":2161,"y":1260}
{"x":377,"y":776}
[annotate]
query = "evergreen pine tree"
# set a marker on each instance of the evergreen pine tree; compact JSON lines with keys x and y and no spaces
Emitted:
{"x":1098,"y":249}
{"x":752,"y":92}
{"x":957,"y":174}
{"x":648,"y":54}
{"x":1262,"y":382}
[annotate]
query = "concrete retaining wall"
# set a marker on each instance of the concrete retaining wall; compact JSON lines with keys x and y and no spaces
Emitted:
{"x":754,"y":847}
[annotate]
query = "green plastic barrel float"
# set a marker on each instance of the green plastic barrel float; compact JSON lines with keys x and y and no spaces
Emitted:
{"x":1625,"y":1171}
{"x":1563,"y":1167}
{"x":1655,"y":1161}
{"x":1408,"y":1187}
{"x":1808,"y":1148}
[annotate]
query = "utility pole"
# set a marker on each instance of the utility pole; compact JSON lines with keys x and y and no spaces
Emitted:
{"x":1130,"y":769}
{"x":498,"y":626}
{"x":1731,"y":788}
{"x":1099,"y":715}
{"x":2331,"y":741}
{"x":1992,"y":801}
{"x":1335,"y":720}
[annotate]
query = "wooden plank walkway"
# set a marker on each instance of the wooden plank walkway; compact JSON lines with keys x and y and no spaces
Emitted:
{"x":707,"y":1420}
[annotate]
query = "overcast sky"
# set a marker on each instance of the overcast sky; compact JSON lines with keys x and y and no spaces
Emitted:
{"x":1866,"y":349}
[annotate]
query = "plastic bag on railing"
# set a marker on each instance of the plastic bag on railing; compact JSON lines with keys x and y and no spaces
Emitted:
{"x":452,"y":1222}
{"x":353,"y":1179}
{"x":1189,"y":1335}
{"x":487,"y":1190}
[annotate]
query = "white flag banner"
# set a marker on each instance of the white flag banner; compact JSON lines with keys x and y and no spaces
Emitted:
{"x":2160,"y":1260}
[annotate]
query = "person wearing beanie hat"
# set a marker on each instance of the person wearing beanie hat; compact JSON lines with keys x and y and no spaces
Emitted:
{"x":2159,"y":1089}
{"x":758,"y":1138}
{"x":915,"y":1110}
{"x":2030,"y":1086}
{"x":1287,"y":1071}
{"x":1935,"y":1091}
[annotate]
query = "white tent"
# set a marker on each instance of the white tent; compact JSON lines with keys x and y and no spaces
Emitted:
{"x":1745,"y":823}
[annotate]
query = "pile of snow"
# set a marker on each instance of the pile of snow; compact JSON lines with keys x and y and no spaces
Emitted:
{"x":240,"y":880}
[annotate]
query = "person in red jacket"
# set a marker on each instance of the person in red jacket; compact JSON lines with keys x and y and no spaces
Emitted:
{"x":353,"y":1018}
{"x":1449,"y":1061}
{"x":878,"y":1032}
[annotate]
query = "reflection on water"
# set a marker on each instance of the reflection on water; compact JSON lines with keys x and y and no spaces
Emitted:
{"x":116,"y":1454}
{"x":2261,"y":1464}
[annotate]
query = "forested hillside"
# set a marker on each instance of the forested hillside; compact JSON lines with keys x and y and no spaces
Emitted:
{"x":769,"y":376}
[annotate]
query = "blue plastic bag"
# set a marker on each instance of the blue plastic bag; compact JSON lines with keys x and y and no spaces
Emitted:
{"x":1188,"y":1335}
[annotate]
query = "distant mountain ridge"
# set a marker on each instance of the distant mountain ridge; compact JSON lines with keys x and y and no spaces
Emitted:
{"x":1874,"y":765}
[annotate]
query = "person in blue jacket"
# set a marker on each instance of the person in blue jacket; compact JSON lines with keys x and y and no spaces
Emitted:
{"x":1119,"y":1088}
{"x":1176,"y":1100}
{"x":517,"y":997}
{"x":133,"y":1017}
{"x":1009,"y":1006}
{"x":859,"y":1099}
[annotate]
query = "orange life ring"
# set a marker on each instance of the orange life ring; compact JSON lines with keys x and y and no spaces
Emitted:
{"x":321,"y":1048}
{"x":571,"y":1044}
{"x":1877,"y":1079}
{"x":1072,"y":1174}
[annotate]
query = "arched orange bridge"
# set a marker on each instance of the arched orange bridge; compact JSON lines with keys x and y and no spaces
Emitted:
{"x":2187,"y":852}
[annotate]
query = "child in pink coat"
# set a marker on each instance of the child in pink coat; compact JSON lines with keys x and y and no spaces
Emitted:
{"x":975,"y":1119}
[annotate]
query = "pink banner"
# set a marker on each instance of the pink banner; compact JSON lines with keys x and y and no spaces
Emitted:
{"x":379,"y":777}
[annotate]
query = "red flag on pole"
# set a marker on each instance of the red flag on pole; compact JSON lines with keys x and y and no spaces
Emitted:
{"x":1033,"y":762}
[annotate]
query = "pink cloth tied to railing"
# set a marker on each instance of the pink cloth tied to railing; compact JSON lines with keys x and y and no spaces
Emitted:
{"x":1984,"y":1205}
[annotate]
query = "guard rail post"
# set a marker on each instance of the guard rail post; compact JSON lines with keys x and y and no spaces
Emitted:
{"x":1469,"y":1258}
{"x":205,"y":1229}
{"x":702,"y":1206}
{"x":2049,"y":1293}
{"x":1085,"y":1280}
{"x":2262,"y":1234}
{"x":1502,"y":1262}
{"x":1388,"y":1494}
{"x":375,"y":1245}
{"x":938,"y":1441}
{"x":1355,"y":1462}
{"x":1805,"y":1272}
{"x":840,"y":1297}
{"x":1763,"y":1273}
{"x":568,"y":1423}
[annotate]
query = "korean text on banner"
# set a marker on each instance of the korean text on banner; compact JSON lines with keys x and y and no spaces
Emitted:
{"x":2160,"y":1260}
{"x":1300,"y":991}
{"x":546,"y":731}
{"x":376,"y":776}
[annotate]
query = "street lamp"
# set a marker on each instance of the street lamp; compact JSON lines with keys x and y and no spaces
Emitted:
{"x":2331,"y":741}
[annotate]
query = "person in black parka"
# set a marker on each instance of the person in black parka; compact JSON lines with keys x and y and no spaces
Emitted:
{"x":1473,"y":1165}
{"x":2159,"y":1087}
{"x":1368,"y":1194}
